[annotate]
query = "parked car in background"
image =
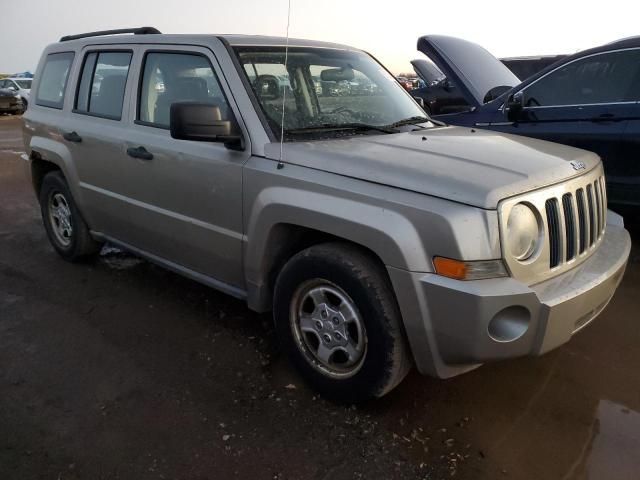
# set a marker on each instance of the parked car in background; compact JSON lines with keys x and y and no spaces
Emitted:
{"x":406,"y":83}
{"x":22,"y":86}
{"x":10,"y":101}
{"x":588,"y":100}
{"x":438,"y":94}
{"x":378,"y":237}
{"x":525,"y":67}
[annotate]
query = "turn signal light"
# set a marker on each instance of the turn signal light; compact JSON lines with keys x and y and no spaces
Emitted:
{"x":475,"y":270}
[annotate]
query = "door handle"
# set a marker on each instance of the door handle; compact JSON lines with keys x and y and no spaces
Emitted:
{"x":139,"y":152}
{"x":72,"y":137}
{"x":605,"y":117}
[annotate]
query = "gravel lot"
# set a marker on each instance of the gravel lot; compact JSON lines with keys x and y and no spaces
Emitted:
{"x":121,"y":370}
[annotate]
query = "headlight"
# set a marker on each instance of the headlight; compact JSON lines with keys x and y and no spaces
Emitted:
{"x":523,"y":232}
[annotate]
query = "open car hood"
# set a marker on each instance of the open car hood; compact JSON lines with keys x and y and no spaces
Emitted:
{"x":427,"y":71}
{"x":476,"y":72}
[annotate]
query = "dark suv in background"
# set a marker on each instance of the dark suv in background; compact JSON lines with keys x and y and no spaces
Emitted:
{"x":588,"y":100}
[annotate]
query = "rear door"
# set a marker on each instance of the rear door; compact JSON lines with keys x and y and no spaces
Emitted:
{"x":624,"y":173}
{"x":95,"y":133}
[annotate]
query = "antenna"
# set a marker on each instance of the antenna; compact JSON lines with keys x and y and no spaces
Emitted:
{"x":284,"y":95}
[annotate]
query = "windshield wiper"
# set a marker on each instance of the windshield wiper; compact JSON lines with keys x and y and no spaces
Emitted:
{"x":409,"y":121}
{"x":328,"y":127}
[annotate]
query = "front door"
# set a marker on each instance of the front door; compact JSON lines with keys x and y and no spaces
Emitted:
{"x":586,"y":103}
{"x":185,"y":196}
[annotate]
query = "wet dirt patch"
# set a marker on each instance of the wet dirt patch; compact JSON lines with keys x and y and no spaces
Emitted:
{"x":118,"y":259}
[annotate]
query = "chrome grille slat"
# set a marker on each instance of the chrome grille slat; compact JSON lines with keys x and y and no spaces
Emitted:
{"x":603,"y":205}
{"x":569,"y":226}
{"x":592,"y":216}
{"x":553,"y":220}
{"x":582,"y":220}
{"x":596,"y":194}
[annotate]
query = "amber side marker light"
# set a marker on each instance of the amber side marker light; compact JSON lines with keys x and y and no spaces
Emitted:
{"x":474,"y":270}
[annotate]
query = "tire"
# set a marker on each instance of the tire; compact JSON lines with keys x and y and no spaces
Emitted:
{"x":66,"y":229}
{"x":354,"y":351}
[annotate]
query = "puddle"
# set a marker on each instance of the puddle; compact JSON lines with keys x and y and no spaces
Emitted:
{"x":118,"y":259}
{"x":613,"y":450}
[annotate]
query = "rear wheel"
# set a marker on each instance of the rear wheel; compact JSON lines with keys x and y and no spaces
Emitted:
{"x":66,"y":229}
{"x":337,"y":318}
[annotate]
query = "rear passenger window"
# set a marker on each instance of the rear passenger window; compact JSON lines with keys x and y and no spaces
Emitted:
{"x":176,"y":77}
{"x":102,"y":84}
{"x":53,"y":80}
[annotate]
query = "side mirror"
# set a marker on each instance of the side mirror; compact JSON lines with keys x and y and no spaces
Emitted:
{"x":420,"y":101}
{"x":202,"y":122}
{"x":514,"y":106}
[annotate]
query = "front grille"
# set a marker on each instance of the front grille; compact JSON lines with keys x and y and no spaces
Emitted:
{"x":573,"y":216}
{"x":580,"y":223}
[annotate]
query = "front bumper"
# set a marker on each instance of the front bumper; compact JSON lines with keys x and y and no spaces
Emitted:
{"x":454,"y":326}
{"x":10,"y":105}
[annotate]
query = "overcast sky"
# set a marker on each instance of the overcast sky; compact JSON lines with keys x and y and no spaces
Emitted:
{"x":387,"y":29}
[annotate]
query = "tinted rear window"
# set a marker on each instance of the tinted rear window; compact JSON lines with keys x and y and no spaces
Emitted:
{"x":102,"y":84}
{"x":53,"y":80}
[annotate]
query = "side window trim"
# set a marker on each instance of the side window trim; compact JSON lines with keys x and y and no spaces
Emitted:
{"x":98,"y":51}
{"x":46,"y":103}
{"x":177,"y":51}
{"x":540,"y":107}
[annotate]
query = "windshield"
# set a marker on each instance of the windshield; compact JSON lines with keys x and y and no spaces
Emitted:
{"x":26,"y":84}
{"x":326,"y":92}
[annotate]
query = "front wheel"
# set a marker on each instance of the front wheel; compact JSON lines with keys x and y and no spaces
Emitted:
{"x":338,"y":319}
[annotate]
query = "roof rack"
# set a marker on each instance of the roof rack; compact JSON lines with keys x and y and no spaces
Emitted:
{"x":135,"y":31}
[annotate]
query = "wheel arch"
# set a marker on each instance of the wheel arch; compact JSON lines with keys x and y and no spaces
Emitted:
{"x":285,"y":222}
{"x":39,"y":168}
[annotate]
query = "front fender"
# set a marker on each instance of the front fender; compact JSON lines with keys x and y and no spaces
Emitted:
{"x":387,"y":233}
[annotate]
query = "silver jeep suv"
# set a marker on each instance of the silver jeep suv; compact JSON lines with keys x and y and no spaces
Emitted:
{"x":379,"y":237}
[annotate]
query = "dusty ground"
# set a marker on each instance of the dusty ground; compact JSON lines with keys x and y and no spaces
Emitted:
{"x":122,"y":370}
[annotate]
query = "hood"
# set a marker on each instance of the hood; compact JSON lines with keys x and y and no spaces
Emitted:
{"x":5,"y":92}
{"x":480,"y":76}
{"x":427,"y":71}
{"x":477,"y":168}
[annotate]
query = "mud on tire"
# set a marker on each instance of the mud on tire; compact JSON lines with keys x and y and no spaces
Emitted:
{"x":66,"y":229}
{"x":344,"y":282}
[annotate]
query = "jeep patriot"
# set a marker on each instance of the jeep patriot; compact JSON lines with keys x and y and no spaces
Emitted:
{"x":301,"y":177}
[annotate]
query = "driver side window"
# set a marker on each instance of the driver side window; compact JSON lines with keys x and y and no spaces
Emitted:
{"x":604,"y":78}
{"x":176,"y":77}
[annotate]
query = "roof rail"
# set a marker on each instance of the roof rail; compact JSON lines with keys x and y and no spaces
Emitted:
{"x":135,"y":31}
